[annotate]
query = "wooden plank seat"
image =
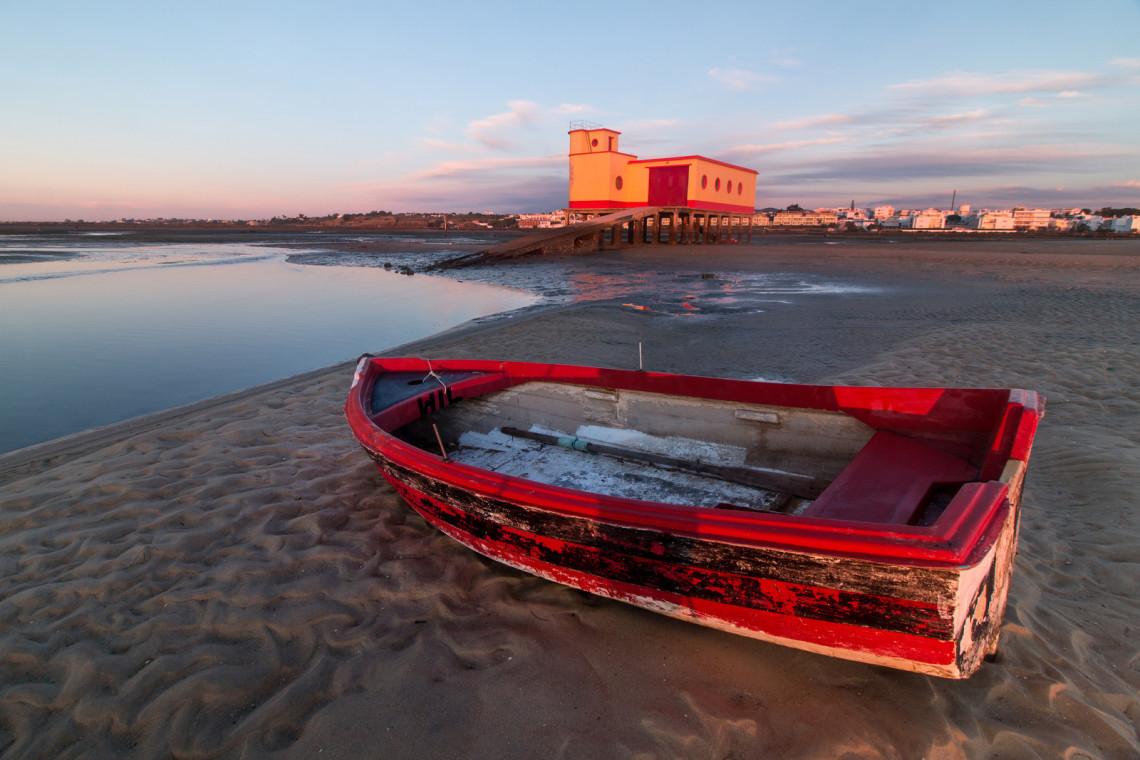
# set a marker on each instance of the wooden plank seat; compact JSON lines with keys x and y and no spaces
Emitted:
{"x":888,"y":481}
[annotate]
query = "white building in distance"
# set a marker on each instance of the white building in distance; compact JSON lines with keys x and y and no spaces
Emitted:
{"x":1058,"y":224}
{"x":542,"y":221}
{"x":1126,"y":224}
{"x":930,"y":219}
{"x":1092,"y":221}
{"x":817,"y":218}
{"x":1031,"y":218}
{"x":998,"y":221}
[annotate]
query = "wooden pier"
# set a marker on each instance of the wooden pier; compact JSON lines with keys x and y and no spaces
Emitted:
{"x":605,"y":230}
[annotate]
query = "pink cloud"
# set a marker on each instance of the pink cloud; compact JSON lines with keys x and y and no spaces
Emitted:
{"x":492,"y":131}
{"x":755,"y":148}
{"x":474,"y":166}
{"x":956,"y":118}
{"x":808,"y":122}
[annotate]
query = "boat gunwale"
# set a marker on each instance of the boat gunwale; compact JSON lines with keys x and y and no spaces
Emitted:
{"x":958,"y":538}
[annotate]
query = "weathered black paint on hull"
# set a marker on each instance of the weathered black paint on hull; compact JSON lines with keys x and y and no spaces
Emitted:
{"x":700,"y":569}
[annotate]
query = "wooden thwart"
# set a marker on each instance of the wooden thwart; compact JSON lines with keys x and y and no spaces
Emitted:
{"x":802,"y":486}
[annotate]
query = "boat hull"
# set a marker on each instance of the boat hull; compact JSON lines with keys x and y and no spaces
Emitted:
{"x":936,"y":621}
{"x":927,"y":598}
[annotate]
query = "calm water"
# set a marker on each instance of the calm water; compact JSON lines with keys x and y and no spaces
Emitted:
{"x":94,"y":329}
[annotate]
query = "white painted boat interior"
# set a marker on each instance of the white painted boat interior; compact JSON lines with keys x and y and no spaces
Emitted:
{"x":807,"y":442}
{"x":601,"y":474}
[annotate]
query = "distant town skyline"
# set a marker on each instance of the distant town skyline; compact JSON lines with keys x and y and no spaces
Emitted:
{"x":207,"y":110}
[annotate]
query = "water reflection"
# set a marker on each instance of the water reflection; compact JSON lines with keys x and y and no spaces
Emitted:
{"x":149,"y":327}
{"x":23,"y":261}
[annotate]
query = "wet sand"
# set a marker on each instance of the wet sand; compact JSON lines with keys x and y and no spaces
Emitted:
{"x":238,"y":580}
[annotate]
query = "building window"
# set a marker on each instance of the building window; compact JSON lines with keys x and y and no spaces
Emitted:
{"x":740,"y":189}
{"x":594,"y":143}
{"x":717,"y":185}
{"x":618,"y":182}
{"x":704,"y":181}
{"x":729,"y":188}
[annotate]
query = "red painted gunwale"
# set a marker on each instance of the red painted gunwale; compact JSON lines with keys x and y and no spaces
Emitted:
{"x":960,"y":535}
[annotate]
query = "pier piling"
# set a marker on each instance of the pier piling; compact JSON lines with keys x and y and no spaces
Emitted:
{"x":645,"y":225}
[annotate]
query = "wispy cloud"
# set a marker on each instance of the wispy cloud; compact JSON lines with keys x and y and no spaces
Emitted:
{"x":573,"y":108}
{"x":738,"y":79}
{"x":490,"y":131}
{"x":783,"y":59}
{"x":958,"y":119}
{"x":647,"y":125}
{"x":436,"y":143}
{"x":1128,"y":63}
{"x":886,"y":121}
{"x":940,"y":161}
{"x":1071,"y":94}
{"x":520,"y":194}
{"x":946,"y":121}
{"x":501,"y":183}
{"x":758,"y":148}
{"x":810,"y":122}
{"x":965,"y":84}
{"x":486,"y":166}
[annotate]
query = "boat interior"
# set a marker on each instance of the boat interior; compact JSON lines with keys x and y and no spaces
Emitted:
{"x":701,"y":452}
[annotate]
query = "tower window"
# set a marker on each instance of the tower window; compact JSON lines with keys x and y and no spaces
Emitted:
{"x":594,"y":143}
{"x":717,"y":185}
{"x":704,"y":181}
{"x":617,"y":182}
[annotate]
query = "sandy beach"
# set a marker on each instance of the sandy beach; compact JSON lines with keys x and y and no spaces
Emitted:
{"x":235,"y":579}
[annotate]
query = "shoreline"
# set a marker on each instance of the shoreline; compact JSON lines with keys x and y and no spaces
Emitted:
{"x":243,"y":230}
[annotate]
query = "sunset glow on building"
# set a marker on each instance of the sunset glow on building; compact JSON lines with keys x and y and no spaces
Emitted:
{"x":603,"y":177}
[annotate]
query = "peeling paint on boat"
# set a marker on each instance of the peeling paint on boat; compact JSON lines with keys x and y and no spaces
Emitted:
{"x":921,"y":597}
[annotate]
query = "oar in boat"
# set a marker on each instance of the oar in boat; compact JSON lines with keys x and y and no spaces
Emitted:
{"x":803,"y":486}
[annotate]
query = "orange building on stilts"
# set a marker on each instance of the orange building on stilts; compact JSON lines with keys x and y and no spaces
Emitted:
{"x":701,"y":199}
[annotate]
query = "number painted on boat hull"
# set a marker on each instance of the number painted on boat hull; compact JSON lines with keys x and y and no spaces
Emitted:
{"x":434,"y":402}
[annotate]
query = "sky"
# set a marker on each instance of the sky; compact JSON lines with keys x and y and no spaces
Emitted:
{"x":250,"y":110}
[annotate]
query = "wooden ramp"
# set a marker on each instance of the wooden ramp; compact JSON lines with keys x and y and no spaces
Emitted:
{"x":585,"y":236}
{"x":617,"y":229}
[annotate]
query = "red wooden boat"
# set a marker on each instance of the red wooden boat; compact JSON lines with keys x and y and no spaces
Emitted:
{"x":873,"y":524}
